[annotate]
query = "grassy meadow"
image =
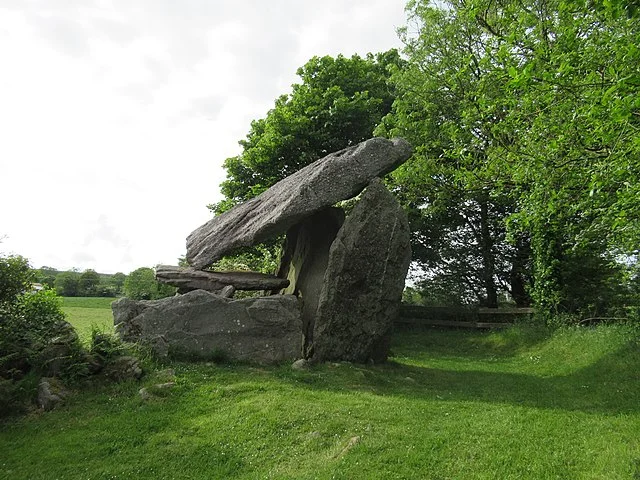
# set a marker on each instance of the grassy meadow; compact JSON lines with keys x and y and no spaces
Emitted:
{"x":522,"y":403}
{"x":88,"y":314}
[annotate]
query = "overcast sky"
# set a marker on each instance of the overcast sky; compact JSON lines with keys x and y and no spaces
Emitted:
{"x":116,"y":116}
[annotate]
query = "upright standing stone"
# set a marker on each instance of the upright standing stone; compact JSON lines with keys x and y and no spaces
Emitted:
{"x":363,"y":282}
{"x":338,"y":176}
{"x":304,"y":262}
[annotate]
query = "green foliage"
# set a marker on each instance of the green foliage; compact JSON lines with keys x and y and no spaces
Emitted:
{"x":88,"y":283}
{"x":25,"y":316}
{"x":338,"y":104}
{"x":141,"y":284}
{"x":519,"y":403}
{"x":528,"y":110}
{"x":15,"y":278}
{"x":25,"y":326}
{"x":117,"y":282}
{"x":106,"y":345}
{"x":28,"y":321}
{"x":67,"y":284}
{"x":261,"y":258}
{"x":46,"y":276}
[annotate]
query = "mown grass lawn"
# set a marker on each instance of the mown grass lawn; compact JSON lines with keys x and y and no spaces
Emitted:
{"x":88,"y":314}
{"x":516,"y":404}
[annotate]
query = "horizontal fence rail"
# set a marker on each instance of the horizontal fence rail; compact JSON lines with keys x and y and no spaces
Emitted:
{"x":460,"y":317}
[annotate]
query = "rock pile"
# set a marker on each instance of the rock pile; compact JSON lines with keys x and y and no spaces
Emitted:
{"x":338,"y":288}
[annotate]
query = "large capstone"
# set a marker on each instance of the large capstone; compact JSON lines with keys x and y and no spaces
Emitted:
{"x":338,"y":176}
{"x":363,"y":282}
{"x":203,"y":324}
{"x":304,"y":262}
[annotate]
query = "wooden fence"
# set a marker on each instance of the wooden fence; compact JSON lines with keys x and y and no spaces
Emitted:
{"x":460,"y":317}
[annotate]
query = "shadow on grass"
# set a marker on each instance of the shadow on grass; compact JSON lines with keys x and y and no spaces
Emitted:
{"x":609,"y":386}
{"x":470,"y":344}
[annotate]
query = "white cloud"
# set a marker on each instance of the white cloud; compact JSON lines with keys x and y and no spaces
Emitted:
{"x":116,"y":115}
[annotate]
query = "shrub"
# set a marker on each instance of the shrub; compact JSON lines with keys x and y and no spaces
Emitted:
{"x":35,"y":339}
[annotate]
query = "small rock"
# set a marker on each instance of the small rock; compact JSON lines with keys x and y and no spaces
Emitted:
{"x":51,"y":393}
{"x":301,"y":364}
{"x":228,"y":291}
{"x":168,"y":373}
{"x":123,"y":368}
{"x":61,"y":351}
{"x":164,"y":386}
{"x":144,"y":394}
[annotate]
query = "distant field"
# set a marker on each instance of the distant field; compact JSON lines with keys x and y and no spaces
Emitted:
{"x":88,"y":313}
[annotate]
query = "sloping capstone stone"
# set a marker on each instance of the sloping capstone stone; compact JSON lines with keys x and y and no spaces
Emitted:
{"x":304,"y":261}
{"x":187,"y":279}
{"x":363,"y":283}
{"x":203,"y":324}
{"x":338,"y":176}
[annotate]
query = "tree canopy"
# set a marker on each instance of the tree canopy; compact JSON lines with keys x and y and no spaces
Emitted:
{"x":141,"y":284}
{"x":338,"y":103}
{"x":525,"y":118}
{"x":529,"y":109}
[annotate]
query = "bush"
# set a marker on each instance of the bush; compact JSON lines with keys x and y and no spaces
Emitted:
{"x":16,"y":278}
{"x":35,"y":339}
{"x":141,"y":284}
{"x":26,"y":326}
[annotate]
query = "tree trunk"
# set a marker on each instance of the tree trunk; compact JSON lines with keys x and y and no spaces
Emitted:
{"x":518,"y":271}
{"x":488,"y":264}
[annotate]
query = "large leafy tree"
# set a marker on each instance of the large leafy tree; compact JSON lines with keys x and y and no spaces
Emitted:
{"x":141,"y":284}
{"x":338,"y":103}
{"x":529,"y":109}
{"x":16,"y":277}
{"x":67,"y":284}
{"x":447,"y":100}
{"x":88,"y":283}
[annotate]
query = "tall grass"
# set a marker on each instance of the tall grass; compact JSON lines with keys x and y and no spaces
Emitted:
{"x":523,"y":403}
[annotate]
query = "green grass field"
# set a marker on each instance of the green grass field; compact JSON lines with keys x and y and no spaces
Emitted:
{"x":522,"y":403}
{"x":89,"y":313}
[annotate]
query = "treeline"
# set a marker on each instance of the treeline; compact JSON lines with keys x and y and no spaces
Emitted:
{"x":139,"y":284}
{"x":525,"y":118}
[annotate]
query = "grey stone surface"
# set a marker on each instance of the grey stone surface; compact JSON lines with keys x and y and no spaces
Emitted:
{"x":338,"y":176}
{"x":304,"y":262}
{"x":363,"y":283}
{"x":51,"y":393}
{"x":123,"y":368}
{"x":202,"y":324}
{"x":187,"y":279}
{"x":301,"y":364}
{"x":61,"y":351}
{"x":228,"y":291}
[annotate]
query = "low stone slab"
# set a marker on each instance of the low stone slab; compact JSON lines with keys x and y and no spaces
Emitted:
{"x":338,"y":176}
{"x":51,"y":393}
{"x":203,"y":324}
{"x":363,"y":282}
{"x":187,"y":279}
